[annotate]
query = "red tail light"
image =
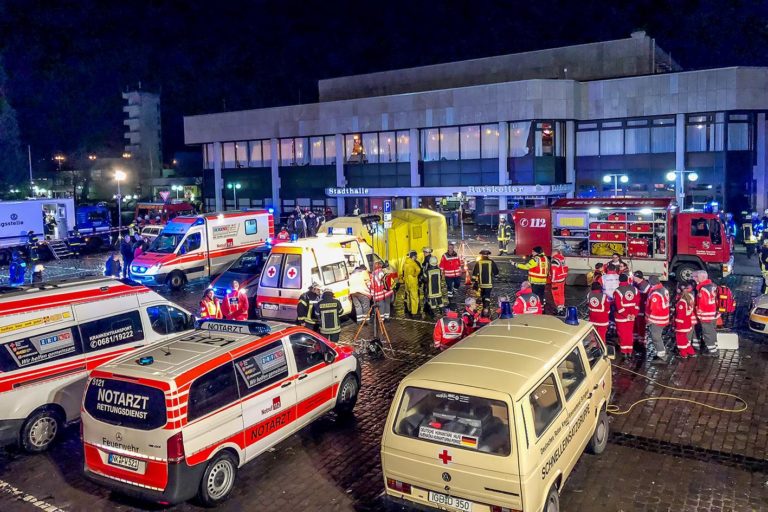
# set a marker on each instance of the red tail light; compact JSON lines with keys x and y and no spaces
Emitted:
{"x":398,"y":486}
{"x":176,"y":448}
{"x":496,"y":508}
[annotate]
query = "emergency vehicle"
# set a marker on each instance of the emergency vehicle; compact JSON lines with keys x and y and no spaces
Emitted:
{"x":50,"y":221}
{"x":178,"y":419}
{"x":649,"y":234}
{"x":166,"y":211}
{"x":195,"y":246}
{"x":51,"y":335}
{"x":293,"y":266}
{"x":498,"y":421}
{"x":758,"y":314}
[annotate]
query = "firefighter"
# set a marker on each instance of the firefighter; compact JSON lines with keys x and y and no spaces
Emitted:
{"x":411,"y":272}
{"x":504,"y":235}
{"x":236,"y":303}
{"x":599,"y":309}
{"x":538,"y":271}
{"x":657,"y":316}
{"x":469,"y":316}
{"x":380,"y":290}
{"x":559,"y":275}
{"x":624,"y":315}
{"x":642,"y":296}
{"x":706,"y":310}
{"x":433,"y":290}
{"x":749,"y":237}
{"x":484,"y":272}
{"x":283,"y":235}
{"x":448,"y":330}
{"x":210,"y":306}
{"x":32,"y":242}
{"x":764,"y":265}
{"x":305,"y":307}
{"x":730,"y":225}
{"x":684,"y":326}
{"x":451,"y":265}
{"x":17,"y":269}
{"x":327,"y":314}
{"x":76,"y":243}
{"x":526,"y":301}
{"x":426,"y":253}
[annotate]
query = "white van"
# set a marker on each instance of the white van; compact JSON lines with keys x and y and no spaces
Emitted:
{"x":196,"y":246}
{"x":293,"y":266}
{"x":51,"y":335}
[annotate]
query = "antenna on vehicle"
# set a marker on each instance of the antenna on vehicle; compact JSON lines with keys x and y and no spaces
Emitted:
{"x":166,"y":350}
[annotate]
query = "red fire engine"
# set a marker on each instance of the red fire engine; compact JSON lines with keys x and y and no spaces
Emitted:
{"x":649,"y":234}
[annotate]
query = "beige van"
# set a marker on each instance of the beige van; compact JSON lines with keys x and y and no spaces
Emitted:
{"x":497,"y":422}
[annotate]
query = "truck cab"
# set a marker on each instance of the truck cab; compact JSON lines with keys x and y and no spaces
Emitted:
{"x":702,"y":244}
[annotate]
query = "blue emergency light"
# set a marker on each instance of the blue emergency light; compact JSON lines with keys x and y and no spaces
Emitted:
{"x":349,"y":231}
{"x":572,"y":316}
{"x":270,"y":210}
{"x":145,"y":361}
{"x":506,"y":310}
{"x":294,"y":237}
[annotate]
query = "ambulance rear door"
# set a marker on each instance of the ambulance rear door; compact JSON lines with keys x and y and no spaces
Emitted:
{"x":282,"y":283}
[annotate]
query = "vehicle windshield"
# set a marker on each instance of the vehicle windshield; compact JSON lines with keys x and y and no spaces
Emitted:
{"x":248,"y":263}
{"x":464,"y":421}
{"x":166,"y":243}
{"x":97,"y":216}
{"x":126,"y":404}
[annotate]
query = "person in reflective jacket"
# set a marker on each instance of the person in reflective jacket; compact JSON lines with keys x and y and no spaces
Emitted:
{"x":626,"y":308}
{"x":657,"y":316}
{"x":526,"y":302}
{"x":210,"y":306}
{"x":599,"y":309}
{"x":538,"y":271}
{"x":236,"y":303}
{"x":327,"y":313}
{"x":304,"y":309}
{"x":433,"y":287}
{"x":448,"y":330}
{"x":483,"y":273}
{"x":504,"y":235}
{"x":451,"y":265}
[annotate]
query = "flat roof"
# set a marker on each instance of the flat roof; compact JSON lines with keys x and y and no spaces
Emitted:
{"x":509,"y":355}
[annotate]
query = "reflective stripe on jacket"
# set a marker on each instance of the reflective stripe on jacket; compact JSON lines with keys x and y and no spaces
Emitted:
{"x":451,"y":265}
{"x":657,"y":307}
{"x":706,"y":301}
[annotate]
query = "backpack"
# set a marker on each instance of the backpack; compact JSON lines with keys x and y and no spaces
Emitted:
{"x":725,"y":301}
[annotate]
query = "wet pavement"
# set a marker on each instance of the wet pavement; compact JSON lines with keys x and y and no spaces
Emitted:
{"x":663,"y":455}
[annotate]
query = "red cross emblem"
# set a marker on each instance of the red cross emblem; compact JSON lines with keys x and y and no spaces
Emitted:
{"x":453,"y":326}
{"x":271,"y":271}
{"x":445,"y":457}
{"x":291,"y":273}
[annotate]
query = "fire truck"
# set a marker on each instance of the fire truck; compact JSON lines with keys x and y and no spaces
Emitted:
{"x":651,"y":235}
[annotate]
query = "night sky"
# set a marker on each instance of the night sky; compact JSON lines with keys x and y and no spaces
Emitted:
{"x":67,"y":61}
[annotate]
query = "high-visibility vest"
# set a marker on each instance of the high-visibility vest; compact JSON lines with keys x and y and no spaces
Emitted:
{"x":559,"y":269}
{"x":657,"y":308}
{"x":329,"y":312}
{"x":541,"y":270}
{"x":210,"y":309}
{"x":434,"y":277}
{"x":504,"y":232}
{"x":625,"y":302}
{"x":485,"y":273}
{"x":683,"y":317}
{"x":378,"y":286}
{"x":527,"y":304}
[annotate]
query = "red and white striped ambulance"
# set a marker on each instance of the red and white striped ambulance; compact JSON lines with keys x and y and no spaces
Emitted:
{"x":194,"y":246}
{"x":178,"y":419}
{"x":51,"y":335}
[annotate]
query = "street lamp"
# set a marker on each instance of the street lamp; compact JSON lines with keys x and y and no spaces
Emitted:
{"x":126,"y":155}
{"x":119,"y":176}
{"x":616,"y":178}
{"x":234,"y":187}
{"x":59,"y":159}
{"x":177,"y":189}
{"x":677,"y":178}
{"x":91,"y":157}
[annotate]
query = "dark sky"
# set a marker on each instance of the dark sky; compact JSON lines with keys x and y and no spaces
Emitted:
{"x":68,"y":61}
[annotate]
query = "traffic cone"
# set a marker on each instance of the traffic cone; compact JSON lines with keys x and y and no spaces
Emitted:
{"x":467,"y":278}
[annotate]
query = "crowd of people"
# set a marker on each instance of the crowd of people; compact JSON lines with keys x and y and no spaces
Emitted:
{"x":118,"y":262}
{"x":303,"y":223}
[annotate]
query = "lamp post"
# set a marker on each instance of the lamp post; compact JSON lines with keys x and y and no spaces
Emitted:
{"x":177,"y":189}
{"x":616,"y":178}
{"x":119,"y":176}
{"x":678,"y":177}
{"x":234,"y":187}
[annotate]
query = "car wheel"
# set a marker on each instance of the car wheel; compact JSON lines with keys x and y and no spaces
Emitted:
{"x":685,"y":272}
{"x":347,"y":397}
{"x":40,"y":430}
{"x":218,"y":480}
{"x":553,"y":500}
{"x":176,"y":280}
{"x":599,"y":439}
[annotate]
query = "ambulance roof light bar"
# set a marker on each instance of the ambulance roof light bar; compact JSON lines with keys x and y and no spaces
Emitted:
{"x":340,"y":231}
{"x":234,"y":326}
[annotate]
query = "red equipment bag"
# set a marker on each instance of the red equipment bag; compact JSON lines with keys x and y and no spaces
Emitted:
{"x":725,"y":301}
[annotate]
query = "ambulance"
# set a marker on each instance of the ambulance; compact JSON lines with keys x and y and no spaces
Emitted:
{"x":51,"y":335}
{"x":498,"y":421}
{"x":195,"y":246}
{"x":291,"y":267}
{"x":178,"y":419}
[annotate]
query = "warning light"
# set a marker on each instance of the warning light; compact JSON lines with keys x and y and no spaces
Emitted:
{"x":145,"y":361}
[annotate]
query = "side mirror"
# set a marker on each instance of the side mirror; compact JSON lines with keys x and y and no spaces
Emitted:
{"x":329,"y":357}
{"x":610,"y":352}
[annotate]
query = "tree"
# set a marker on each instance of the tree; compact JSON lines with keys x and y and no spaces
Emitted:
{"x":11,"y":164}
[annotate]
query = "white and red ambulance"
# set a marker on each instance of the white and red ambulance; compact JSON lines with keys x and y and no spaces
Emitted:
{"x":51,"y":335}
{"x":195,"y":246}
{"x":178,"y":419}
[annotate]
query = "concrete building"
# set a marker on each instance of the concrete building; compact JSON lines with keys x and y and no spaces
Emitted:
{"x":143,"y":133}
{"x":506,"y":130}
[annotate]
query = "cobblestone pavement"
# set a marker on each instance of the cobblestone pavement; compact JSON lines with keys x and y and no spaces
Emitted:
{"x":663,"y":456}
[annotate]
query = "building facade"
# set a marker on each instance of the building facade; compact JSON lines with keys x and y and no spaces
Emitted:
{"x":143,"y":133}
{"x":601,"y":119}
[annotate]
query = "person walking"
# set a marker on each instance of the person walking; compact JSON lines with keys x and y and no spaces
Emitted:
{"x":327,"y":314}
{"x":559,"y":275}
{"x":706,"y":310}
{"x":305,"y":308}
{"x":126,"y":252}
{"x":599,"y":309}
{"x":112,"y":268}
{"x":684,"y":314}
{"x":433,"y":289}
{"x":504,"y":235}
{"x":236,"y":303}
{"x":643,"y":288}
{"x":382,"y":293}
{"x":763,"y":257}
{"x":624,"y":314}
{"x":210,"y":306}
{"x":538,"y":271}
{"x":360,"y":292}
{"x":448,"y":330}
{"x":526,"y":301}
{"x":451,"y":265}
{"x":483,"y":274}
{"x":657,"y":316}
{"x":411,"y":272}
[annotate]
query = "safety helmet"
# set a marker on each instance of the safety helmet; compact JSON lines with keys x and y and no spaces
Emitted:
{"x":412,"y":254}
{"x":427,"y":250}
{"x":433,"y":261}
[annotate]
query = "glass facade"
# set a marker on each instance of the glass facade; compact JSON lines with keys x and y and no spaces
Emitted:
{"x":377,"y":147}
{"x":471,"y":142}
{"x":705,"y":132}
{"x":637,"y":136}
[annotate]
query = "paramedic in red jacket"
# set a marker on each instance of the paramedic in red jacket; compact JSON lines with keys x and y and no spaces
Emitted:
{"x":236,"y":303}
{"x":626,"y":308}
{"x":451,"y":265}
{"x":448,"y":330}
{"x":526,"y":302}
{"x":684,"y":315}
{"x":559,"y":274}
{"x":599,"y":309}
{"x":657,"y":315}
{"x":706,"y":310}
{"x":642,"y":296}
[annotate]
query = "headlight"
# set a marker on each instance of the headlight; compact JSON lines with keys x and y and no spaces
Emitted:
{"x":761,"y":311}
{"x":136,"y":269}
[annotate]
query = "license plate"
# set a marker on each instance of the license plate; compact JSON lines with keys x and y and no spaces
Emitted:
{"x":450,"y":501}
{"x":124,"y":462}
{"x":269,"y":307}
